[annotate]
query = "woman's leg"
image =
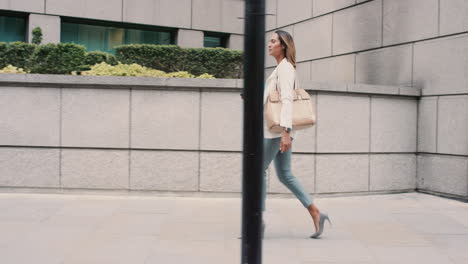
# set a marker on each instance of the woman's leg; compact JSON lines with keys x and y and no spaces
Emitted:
{"x":283,"y":171}
{"x":270,"y":150}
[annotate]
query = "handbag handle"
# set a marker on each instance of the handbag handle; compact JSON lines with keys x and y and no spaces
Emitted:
{"x":294,"y":85}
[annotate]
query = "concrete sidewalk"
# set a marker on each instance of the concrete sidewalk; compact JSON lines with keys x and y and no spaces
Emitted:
{"x":81,"y":229}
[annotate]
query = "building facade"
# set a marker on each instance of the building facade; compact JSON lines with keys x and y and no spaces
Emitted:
{"x":406,"y":43}
{"x":103,"y":24}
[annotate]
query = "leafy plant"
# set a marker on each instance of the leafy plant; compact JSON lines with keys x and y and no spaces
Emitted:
{"x":17,"y":54}
{"x":37,"y":36}
{"x":60,"y":58}
{"x":104,"y":69}
{"x":11,"y":69}
{"x":95,"y":57}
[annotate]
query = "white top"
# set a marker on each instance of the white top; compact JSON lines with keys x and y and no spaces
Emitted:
{"x":285,"y":73}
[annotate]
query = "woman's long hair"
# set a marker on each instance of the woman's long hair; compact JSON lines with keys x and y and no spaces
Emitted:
{"x":290,"y":49}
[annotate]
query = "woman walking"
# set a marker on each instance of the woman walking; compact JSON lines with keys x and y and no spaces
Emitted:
{"x":277,"y":146}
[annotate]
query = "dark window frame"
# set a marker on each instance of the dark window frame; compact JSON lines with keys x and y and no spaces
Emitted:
{"x":119,"y":25}
{"x":224,"y":37}
{"x":17,"y":14}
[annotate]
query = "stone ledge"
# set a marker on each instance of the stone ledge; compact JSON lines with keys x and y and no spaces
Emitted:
{"x":116,"y":82}
{"x":113,"y":82}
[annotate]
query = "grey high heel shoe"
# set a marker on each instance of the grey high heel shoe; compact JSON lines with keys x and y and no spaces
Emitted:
{"x":322,"y":219}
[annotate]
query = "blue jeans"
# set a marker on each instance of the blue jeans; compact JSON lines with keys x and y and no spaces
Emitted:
{"x":283,"y":170}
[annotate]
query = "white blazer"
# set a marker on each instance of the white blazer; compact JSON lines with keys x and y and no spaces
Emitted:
{"x":283,"y":76}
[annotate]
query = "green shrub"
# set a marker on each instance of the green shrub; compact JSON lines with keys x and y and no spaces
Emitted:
{"x":61,"y":58}
{"x":37,"y":35}
{"x":96,"y":57}
{"x":166,"y":58}
{"x":17,"y":54}
{"x":219,"y":62}
{"x":104,"y":69}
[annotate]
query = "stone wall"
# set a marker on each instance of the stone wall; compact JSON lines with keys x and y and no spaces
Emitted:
{"x":185,"y":135}
{"x":411,"y":43}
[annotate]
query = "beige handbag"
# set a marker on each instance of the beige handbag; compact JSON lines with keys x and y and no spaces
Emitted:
{"x":303,"y":114}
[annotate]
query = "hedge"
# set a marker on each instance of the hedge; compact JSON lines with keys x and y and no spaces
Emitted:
{"x":64,"y":58}
{"x":96,"y":57}
{"x":61,"y":58}
{"x":220,"y":62}
{"x":16,"y":53}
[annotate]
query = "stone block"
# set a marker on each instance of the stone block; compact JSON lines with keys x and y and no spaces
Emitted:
{"x":446,"y":174}
{"x":231,"y":11}
{"x":220,"y":172}
{"x":236,"y":42}
{"x":103,"y":9}
{"x":170,"y":13}
{"x":164,"y":170}
{"x":334,"y":69}
{"x":50,"y":26}
{"x":427,"y":124}
{"x":29,"y":116}
{"x":440,"y":65}
{"x":221,"y":121}
{"x":190,"y":38}
{"x":95,"y":168}
{"x":342,"y":173}
{"x":36,"y":6}
{"x":303,"y":70}
{"x":452,"y":125}
{"x":342,"y":123}
{"x":302,"y":167}
{"x":358,"y":28}
{"x":207,"y":15}
{"x":270,"y":20}
{"x":393,"y":125}
{"x":387,"y":66}
{"x":326,"y":6}
{"x":29,"y":167}
{"x":453,"y":16}
{"x":165,"y":119}
{"x":293,"y":11}
{"x":95,"y":118}
{"x":391,"y":172}
{"x":313,"y":38}
{"x":409,"y":20}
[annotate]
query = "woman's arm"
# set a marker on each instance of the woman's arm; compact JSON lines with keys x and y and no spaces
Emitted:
{"x":286,"y":75}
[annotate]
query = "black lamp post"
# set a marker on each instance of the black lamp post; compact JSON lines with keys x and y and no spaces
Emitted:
{"x":254,"y":63}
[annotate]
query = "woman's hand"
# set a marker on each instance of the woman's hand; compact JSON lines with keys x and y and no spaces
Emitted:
{"x":285,"y":142}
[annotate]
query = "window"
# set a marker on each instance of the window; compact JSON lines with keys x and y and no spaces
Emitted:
{"x":213,"y":40}
{"x":12,"y":28}
{"x":105,"y":37}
